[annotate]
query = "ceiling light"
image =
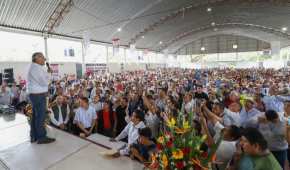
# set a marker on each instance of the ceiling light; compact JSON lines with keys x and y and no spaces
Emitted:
{"x":284,"y":29}
{"x":132,"y":46}
{"x":143,"y":36}
{"x":209,"y":9}
{"x":160,"y":42}
{"x":213,"y":24}
{"x":235,"y":46}
{"x":202,"y":48}
{"x":119,"y":29}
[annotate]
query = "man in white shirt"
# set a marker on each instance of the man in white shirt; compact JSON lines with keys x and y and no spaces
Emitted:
{"x":274,"y":101}
{"x":249,"y":114}
{"x":230,"y":136}
{"x":38,"y":80}
{"x":85,"y":118}
{"x":59,"y":113}
{"x":232,"y":115}
{"x":131,"y":131}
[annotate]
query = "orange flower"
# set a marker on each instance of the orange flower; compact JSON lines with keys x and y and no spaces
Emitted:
{"x":198,"y":163}
{"x":160,"y":140}
{"x":178,"y":154}
{"x":181,"y":130}
{"x":164,"y":161}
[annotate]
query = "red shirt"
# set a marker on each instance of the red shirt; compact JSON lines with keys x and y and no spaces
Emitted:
{"x":107,"y":121}
{"x":119,"y":87}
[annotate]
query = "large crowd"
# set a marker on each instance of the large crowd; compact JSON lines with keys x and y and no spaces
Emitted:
{"x":248,"y":108}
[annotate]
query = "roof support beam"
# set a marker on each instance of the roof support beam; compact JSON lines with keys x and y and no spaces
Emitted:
{"x":56,"y":17}
{"x":265,"y":29}
{"x":194,"y":6}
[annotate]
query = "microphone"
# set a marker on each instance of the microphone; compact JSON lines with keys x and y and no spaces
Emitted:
{"x":48,"y":67}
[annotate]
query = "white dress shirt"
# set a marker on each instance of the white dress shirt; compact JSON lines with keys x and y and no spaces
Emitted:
{"x":98,"y":106}
{"x":250,"y":118}
{"x":152,"y":121}
{"x":131,"y":131}
{"x":60,"y":118}
{"x":231,"y":118}
{"x":38,"y":79}
{"x":275,"y":102}
{"x":86,"y":117}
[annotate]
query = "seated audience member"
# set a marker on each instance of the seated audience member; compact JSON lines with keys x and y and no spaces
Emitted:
{"x":107,"y":120}
{"x":5,"y":95}
{"x":15,"y":92}
{"x":144,"y":147}
{"x":274,"y":131}
{"x":254,"y":153}
{"x":60,"y":113}
{"x":23,"y":99}
{"x":131,"y":131}
{"x":85,"y":118}
{"x":58,"y":92}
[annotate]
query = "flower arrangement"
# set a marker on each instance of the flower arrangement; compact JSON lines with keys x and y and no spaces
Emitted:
{"x":179,"y":147}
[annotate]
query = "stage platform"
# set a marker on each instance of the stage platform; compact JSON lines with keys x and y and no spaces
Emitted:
{"x":67,"y":153}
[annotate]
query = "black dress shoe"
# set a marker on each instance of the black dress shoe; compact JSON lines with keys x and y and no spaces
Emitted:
{"x":46,"y":140}
{"x":32,"y":140}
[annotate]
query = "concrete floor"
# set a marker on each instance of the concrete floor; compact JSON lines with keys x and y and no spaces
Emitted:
{"x":67,"y":153}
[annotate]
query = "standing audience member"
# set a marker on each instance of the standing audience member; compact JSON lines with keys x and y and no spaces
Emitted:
{"x":274,"y":131}
{"x":254,"y":153}
{"x":107,"y":120}
{"x":121,"y":113}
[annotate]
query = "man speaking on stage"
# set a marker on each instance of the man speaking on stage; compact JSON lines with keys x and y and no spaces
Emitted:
{"x":38,"y":80}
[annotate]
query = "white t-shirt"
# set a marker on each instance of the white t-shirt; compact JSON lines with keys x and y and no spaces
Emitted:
{"x":226,"y":149}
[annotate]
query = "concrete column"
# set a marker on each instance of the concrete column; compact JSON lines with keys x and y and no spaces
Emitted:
{"x":83,"y":58}
{"x":107,"y":58}
{"x":46,"y":48}
{"x":275,"y":50}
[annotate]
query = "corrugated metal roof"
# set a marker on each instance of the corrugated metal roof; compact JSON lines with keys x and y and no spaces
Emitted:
{"x":103,"y":17}
{"x":30,"y":14}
